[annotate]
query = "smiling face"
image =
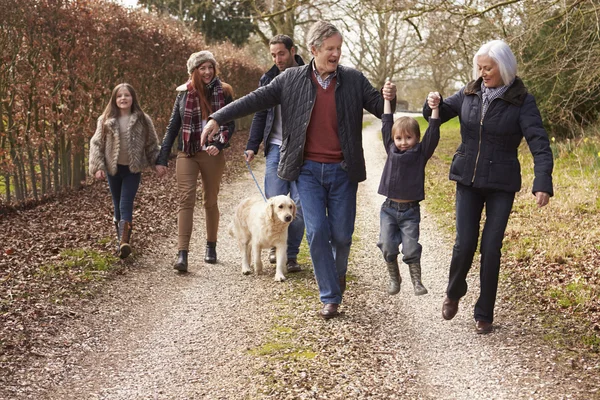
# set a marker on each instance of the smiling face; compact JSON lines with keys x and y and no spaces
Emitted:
{"x":282,"y":57}
{"x":489,"y":71}
{"x":327,"y":57}
{"x":405,"y":140}
{"x":206,"y":71}
{"x":124,"y":99}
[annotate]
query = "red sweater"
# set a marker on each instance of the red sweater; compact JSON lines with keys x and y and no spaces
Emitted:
{"x":322,"y":141}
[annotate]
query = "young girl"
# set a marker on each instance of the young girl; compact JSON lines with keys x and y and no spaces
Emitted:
{"x":203,"y":94}
{"x":403,"y":183}
{"x":124,"y":144}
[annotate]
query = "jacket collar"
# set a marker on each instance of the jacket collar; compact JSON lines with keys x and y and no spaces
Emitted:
{"x":274,"y":71}
{"x":515,"y":94}
{"x":339,"y":71}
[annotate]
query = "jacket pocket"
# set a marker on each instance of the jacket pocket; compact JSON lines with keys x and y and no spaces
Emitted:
{"x":458,"y":166}
{"x":504,"y":172}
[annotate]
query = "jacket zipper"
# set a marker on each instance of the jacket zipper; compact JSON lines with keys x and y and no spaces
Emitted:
{"x":479,"y":145}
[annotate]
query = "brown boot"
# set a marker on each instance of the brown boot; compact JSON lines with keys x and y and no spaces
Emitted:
{"x":125,"y":231}
{"x":395,"y":278}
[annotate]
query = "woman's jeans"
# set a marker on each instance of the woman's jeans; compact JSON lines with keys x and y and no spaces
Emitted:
{"x":469,"y":206}
{"x":275,"y":186}
{"x":399,"y":224}
{"x":329,"y":201}
{"x":123,"y":188}
{"x":187,"y":169}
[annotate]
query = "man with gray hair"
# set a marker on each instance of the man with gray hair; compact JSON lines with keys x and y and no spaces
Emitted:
{"x":267,"y":127}
{"x":322,"y":111}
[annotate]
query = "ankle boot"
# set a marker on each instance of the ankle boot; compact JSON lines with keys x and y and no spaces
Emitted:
{"x":182,"y":261}
{"x":118,"y":236}
{"x":395,"y":278}
{"x":125,"y":231}
{"x":415,"y":277}
{"x":211,"y":253}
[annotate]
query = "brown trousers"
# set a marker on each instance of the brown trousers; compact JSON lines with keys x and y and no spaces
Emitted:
{"x":211,"y":170}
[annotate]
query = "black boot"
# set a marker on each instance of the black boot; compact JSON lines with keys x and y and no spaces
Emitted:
{"x":182,"y":261}
{"x":395,"y":278}
{"x":125,"y":246}
{"x":211,"y":253}
{"x":415,"y":277}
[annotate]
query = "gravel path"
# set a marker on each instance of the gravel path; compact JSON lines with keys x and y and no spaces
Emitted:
{"x":216,"y":334}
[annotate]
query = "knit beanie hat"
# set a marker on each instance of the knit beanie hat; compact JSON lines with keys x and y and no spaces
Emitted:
{"x":199,"y":58}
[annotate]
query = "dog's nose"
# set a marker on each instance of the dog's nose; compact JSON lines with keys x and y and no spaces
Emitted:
{"x":288,"y":218}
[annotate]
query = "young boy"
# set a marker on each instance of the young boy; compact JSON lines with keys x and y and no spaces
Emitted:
{"x":403,"y":183}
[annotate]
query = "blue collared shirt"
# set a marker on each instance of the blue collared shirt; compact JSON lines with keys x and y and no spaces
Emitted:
{"x":323,"y":82}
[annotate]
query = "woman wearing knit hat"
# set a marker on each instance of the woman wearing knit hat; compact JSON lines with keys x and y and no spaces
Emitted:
{"x":202,"y":95}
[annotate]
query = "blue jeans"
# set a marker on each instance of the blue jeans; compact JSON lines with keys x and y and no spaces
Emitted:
{"x":329,"y":201}
{"x":469,"y":206}
{"x":399,"y":224}
{"x":275,"y":186}
{"x":123,"y":188}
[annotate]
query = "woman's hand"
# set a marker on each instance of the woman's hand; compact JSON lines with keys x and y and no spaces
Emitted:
{"x":433,"y":100}
{"x":210,"y":130}
{"x":212,"y":150}
{"x":542,"y":198}
{"x":389,"y":91}
{"x":99,"y":175}
{"x":161,"y":170}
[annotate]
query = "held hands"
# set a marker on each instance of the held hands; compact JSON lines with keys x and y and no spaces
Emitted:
{"x":209,"y":131}
{"x":100,"y":175}
{"x":389,"y":91}
{"x":212,"y":150}
{"x":542,"y":198}
{"x":161,"y":170}
{"x":433,"y":100}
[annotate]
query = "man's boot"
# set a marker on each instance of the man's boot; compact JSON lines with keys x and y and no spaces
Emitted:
{"x":125,"y":231}
{"x":395,"y":278}
{"x":181,"y":264}
{"x":415,"y":277}
{"x":211,"y":253}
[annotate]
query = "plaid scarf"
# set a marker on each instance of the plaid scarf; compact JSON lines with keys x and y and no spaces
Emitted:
{"x":490,"y":94}
{"x":192,"y":117}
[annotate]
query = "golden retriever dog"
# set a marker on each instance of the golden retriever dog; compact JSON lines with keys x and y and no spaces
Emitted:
{"x":258,"y":225}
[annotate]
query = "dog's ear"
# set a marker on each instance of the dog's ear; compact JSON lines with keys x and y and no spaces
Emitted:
{"x":270,"y":208}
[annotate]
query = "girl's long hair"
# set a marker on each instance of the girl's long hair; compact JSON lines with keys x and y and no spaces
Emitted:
{"x":205,"y":97}
{"x":112,"y":110}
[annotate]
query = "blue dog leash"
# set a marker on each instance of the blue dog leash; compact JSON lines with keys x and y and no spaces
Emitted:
{"x":253,"y":177}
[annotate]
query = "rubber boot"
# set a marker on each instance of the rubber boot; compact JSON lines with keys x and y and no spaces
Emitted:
{"x":125,"y":231}
{"x":211,"y":253}
{"x":415,"y":277}
{"x":395,"y":278}
{"x":181,"y":264}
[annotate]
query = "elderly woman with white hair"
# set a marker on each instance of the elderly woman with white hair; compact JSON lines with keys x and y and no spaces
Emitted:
{"x":495,"y":112}
{"x":203,"y":94}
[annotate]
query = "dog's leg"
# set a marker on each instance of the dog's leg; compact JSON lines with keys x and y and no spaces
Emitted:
{"x":258,"y":265}
{"x":281,"y":255}
{"x":245,"y":247}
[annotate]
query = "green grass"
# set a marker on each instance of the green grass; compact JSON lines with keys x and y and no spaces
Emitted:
{"x":79,"y":264}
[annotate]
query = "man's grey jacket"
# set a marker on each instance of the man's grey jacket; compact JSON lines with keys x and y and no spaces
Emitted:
{"x":296,"y":92}
{"x":262,"y":123}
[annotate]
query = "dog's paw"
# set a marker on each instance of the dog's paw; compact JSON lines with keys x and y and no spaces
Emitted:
{"x":246,"y":270}
{"x":279,"y":277}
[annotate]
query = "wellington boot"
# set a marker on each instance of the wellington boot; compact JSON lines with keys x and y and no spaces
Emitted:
{"x":415,"y":277}
{"x":395,"y":278}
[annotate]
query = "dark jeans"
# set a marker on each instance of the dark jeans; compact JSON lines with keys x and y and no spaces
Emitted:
{"x":469,"y":206}
{"x":123,"y":188}
{"x":399,"y":224}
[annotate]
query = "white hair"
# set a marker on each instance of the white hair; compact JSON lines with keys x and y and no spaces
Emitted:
{"x":319,"y":32}
{"x":498,"y":51}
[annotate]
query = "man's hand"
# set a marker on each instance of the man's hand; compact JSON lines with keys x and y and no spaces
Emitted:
{"x":433,"y":100}
{"x":210,"y":130}
{"x":99,"y":175}
{"x":389,"y":91}
{"x":161,"y":170}
{"x":249,"y":155}
{"x":212,"y":150}
{"x":542,"y":198}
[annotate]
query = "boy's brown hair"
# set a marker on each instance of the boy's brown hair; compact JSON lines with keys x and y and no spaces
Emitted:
{"x":406,"y":124}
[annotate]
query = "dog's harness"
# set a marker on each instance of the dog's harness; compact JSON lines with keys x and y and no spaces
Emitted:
{"x":253,"y":177}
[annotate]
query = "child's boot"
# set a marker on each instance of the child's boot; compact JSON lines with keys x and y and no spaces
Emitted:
{"x":415,"y":277}
{"x":395,"y":278}
{"x":118,"y":236}
{"x":125,"y":231}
